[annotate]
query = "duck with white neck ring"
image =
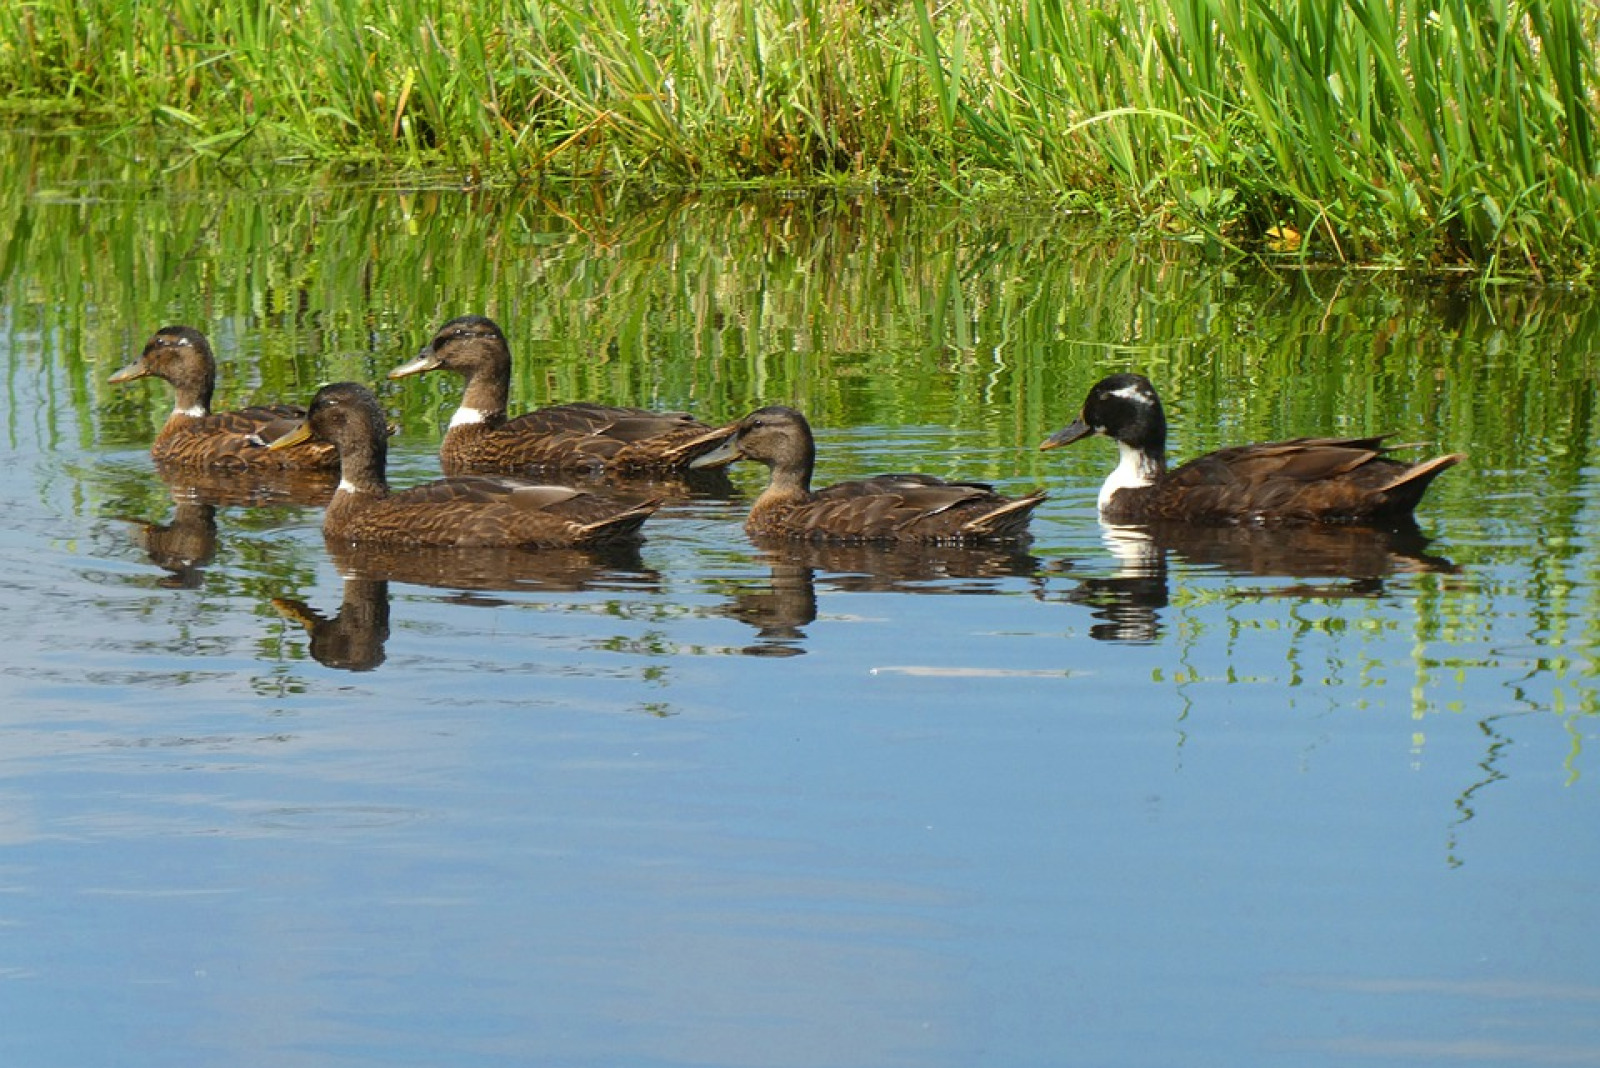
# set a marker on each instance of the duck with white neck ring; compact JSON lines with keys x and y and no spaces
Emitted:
{"x":468,"y":511}
{"x":1303,"y":480}
{"x":194,"y":436}
{"x":572,"y":438}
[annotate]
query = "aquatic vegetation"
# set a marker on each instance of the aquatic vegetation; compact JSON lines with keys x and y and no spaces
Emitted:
{"x":1457,"y":133}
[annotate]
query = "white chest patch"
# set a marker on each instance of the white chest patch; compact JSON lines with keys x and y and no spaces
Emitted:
{"x":346,"y":486}
{"x":467,"y":417}
{"x":1134,"y":471}
{"x":196,"y":412}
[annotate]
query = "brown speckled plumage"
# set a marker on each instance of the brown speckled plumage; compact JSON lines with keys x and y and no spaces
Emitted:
{"x":1305,"y":480}
{"x":195,"y":436}
{"x":886,"y":508}
{"x":465,"y":511}
{"x":579,"y":437}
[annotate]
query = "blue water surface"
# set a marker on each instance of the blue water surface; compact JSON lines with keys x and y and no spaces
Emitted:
{"x":718,"y":806}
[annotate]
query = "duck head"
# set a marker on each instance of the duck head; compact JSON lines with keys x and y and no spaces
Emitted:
{"x":776,"y":436}
{"x":182,"y":356}
{"x":1123,"y":407}
{"x":466,"y":344}
{"x":347,"y":415}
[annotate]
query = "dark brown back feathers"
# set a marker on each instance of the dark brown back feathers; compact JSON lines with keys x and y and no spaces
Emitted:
{"x":194,"y":435}
{"x":578,"y":437}
{"x":886,"y":508}
{"x":468,"y":511}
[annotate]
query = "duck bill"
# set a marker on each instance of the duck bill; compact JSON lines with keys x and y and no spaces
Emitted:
{"x":297,"y":434}
{"x":136,"y":369}
{"x":425,"y":361}
{"x":723,"y":455}
{"x":1067,"y":435}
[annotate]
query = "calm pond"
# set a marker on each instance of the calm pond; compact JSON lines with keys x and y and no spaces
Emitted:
{"x":1245,"y":800}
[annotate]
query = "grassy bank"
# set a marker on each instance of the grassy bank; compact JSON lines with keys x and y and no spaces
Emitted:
{"x":1454,"y":132}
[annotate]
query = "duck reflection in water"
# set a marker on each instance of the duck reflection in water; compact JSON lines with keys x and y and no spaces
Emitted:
{"x":506,"y":569}
{"x":251,"y":488}
{"x":183,"y":545}
{"x":778,"y":609}
{"x":188,"y":541}
{"x":782,"y":606}
{"x":1330,"y":561}
{"x":353,"y":638}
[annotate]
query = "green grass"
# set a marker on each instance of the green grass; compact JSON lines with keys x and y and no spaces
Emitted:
{"x":1446,"y":134}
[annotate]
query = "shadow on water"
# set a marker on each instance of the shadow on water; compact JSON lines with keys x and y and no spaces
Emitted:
{"x":691,"y":485}
{"x":487,"y":570}
{"x":1327,"y":562}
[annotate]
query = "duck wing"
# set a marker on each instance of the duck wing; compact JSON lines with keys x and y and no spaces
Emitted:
{"x":907,"y":508}
{"x":242,"y":422}
{"x":580,"y":437}
{"x":923,"y":488}
{"x":486,"y":490}
{"x":658,"y":443}
{"x":266,"y":422}
{"x":578,"y":418}
{"x":1300,"y":480}
{"x":236,"y":439}
{"x":484,"y":511}
{"x":1296,"y":460}
{"x":632,"y":425}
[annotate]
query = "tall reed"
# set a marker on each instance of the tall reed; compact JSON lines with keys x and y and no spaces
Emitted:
{"x":1414,"y":132}
{"x":1460,"y":130}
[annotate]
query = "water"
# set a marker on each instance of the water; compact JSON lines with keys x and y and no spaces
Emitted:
{"x":1208,"y":801}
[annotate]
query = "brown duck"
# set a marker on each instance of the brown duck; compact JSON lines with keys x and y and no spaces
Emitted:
{"x":1306,"y":480}
{"x":587,"y":438}
{"x":886,"y":508}
{"x":195,"y":436}
{"x":468,"y":511}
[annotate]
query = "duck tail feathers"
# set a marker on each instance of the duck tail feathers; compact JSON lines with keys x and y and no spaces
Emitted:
{"x":619,"y":527}
{"x":1008,"y":520}
{"x":1407,"y":488}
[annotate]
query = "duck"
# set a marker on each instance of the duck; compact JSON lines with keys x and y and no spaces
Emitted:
{"x":196,"y":437}
{"x":577,"y":437}
{"x":1303,"y":480}
{"x":903,"y":508}
{"x":467,"y":511}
